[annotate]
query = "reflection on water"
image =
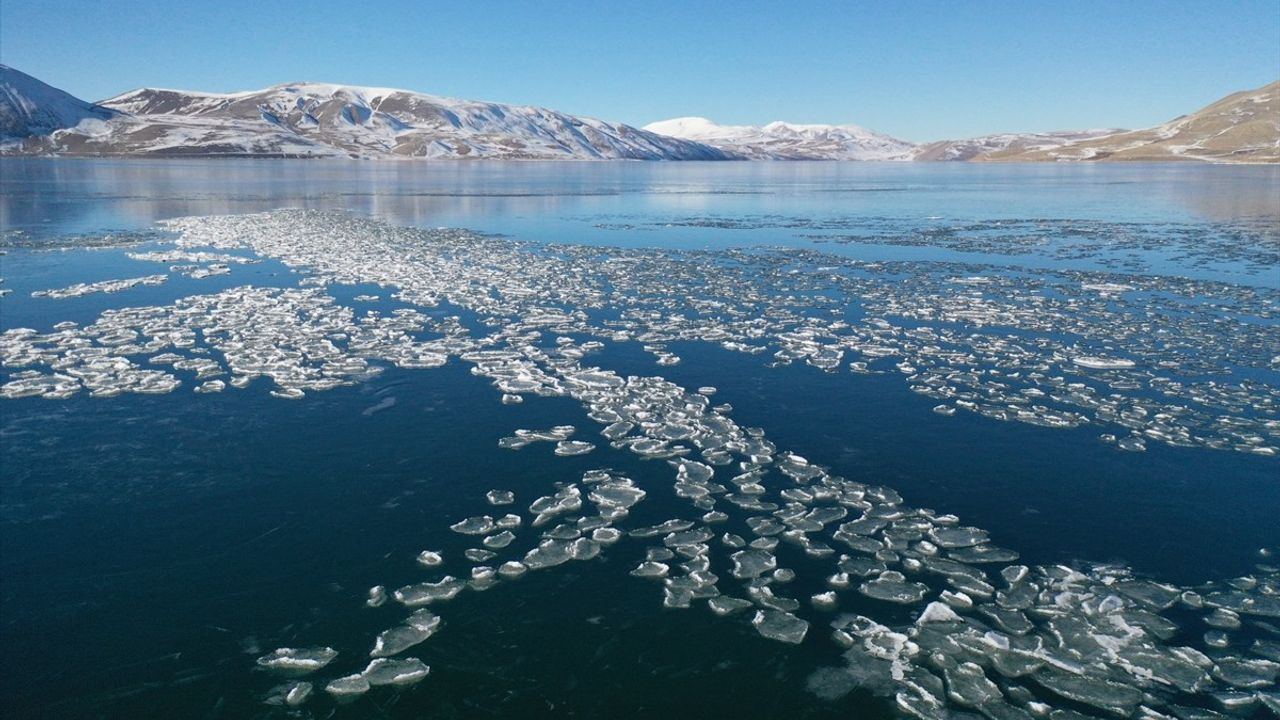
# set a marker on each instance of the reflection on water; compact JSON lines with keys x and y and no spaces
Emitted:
{"x":61,"y":196}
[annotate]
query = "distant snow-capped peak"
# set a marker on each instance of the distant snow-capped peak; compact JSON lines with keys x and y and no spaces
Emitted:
{"x":789,"y":141}
{"x":698,"y":128}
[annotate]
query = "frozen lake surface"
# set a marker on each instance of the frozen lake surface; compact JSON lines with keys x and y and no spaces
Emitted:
{"x":344,"y":439}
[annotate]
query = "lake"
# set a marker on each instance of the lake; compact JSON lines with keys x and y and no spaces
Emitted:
{"x":1038,"y":404}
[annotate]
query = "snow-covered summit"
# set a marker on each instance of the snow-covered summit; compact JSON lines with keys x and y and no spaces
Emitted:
{"x":789,"y":141}
{"x":699,"y":128}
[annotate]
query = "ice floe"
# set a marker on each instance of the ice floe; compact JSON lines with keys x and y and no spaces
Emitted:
{"x":298,"y":660}
{"x":104,"y":286}
{"x":383,"y":671}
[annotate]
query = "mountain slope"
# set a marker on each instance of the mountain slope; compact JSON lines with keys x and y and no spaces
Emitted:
{"x":954,"y":150}
{"x":787,"y":141}
{"x":29,"y":107}
{"x":1243,"y":127}
{"x":317,"y":120}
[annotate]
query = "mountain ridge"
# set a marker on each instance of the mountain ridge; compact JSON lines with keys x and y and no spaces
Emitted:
{"x":311,"y":119}
{"x":329,"y":120}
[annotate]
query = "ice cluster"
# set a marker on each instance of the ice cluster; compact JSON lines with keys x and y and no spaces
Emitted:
{"x":1140,"y":358}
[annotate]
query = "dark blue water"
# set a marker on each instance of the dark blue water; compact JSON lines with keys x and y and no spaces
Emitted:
{"x":151,"y":547}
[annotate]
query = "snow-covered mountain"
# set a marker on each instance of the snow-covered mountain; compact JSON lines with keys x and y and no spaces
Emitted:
{"x":318,"y":120}
{"x":788,"y":141}
{"x":30,"y":107}
{"x":952,"y":150}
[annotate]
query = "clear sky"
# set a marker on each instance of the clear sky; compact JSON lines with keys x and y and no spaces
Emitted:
{"x":918,"y":70}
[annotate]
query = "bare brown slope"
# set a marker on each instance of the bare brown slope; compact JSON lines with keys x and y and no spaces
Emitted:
{"x":1243,"y":127}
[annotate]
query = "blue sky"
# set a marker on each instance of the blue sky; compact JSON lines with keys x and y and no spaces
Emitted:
{"x":918,"y":70}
